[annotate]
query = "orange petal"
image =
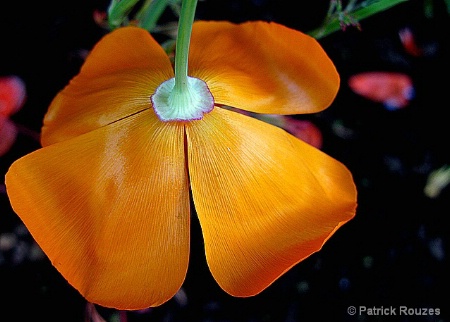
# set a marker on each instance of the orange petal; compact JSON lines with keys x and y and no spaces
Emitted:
{"x":265,"y":199}
{"x":263,"y":67}
{"x":109,"y":86}
{"x":111,"y":210}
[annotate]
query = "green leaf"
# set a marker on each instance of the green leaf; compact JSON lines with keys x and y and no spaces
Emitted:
{"x":351,"y":16}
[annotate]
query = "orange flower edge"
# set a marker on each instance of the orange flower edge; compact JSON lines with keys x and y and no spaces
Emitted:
{"x":107,"y":197}
{"x":265,"y":199}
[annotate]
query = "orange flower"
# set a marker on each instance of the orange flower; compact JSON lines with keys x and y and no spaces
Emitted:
{"x":107,"y":197}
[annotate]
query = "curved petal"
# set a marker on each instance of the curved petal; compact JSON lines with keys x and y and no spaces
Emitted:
{"x":263,"y":67}
{"x":110,"y":208}
{"x":117,"y":79}
{"x":265,"y":199}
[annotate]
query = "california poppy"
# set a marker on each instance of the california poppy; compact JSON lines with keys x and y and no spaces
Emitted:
{"x":107,"y":197}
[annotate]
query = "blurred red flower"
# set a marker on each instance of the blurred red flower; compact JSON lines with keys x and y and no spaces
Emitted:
{"x":393,"y":90}
{"x":12,"y":98}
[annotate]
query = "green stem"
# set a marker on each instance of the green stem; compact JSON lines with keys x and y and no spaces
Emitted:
{"x":364,"y":10}
{"x":118,"y":11}
{"x":150,"y":13}
{"x":187,"y":15}
{"x":351,"y":4}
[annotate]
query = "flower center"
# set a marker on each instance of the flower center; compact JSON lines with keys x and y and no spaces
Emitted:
{"x":186,"y":104}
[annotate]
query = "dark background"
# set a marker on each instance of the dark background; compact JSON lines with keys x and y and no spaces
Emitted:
{"x":393,"y":253}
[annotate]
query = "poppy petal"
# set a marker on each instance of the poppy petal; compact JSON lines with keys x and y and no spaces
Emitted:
{"x":110,"y":208}
{"x":262,"y":67}
{"x":265,"y":199}
{"x":108,"y":87}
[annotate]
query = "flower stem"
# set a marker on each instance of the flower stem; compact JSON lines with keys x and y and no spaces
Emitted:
{"x":183,"y":98}
{"x":150,"y":12}
{"x":118,"y":11}
{"x":187,"y":15}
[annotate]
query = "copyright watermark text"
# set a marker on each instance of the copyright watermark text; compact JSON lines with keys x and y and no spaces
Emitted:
{"x":392,"y":310}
